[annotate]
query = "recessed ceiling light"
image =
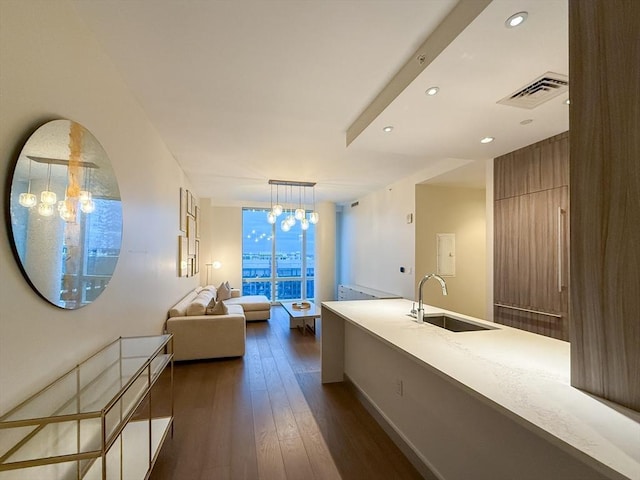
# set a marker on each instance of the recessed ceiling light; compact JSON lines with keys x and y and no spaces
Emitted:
{"x":487,"y":140}
{"x":567,"y":102}
{"x":388,"y":128}
{"x":526,"y":122}
{"x":431,"y":91}
{"x":516,"y":19}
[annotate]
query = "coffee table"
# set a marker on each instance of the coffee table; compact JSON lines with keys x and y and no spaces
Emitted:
{"x":304,"y":319}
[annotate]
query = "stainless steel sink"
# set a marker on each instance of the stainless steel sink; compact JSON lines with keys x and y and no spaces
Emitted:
{"x":455,"y":324}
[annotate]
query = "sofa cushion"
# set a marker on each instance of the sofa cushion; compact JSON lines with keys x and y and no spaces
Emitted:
{"x":199,"y":304}
{"x":250,"y":302}
{"x":212,"y":289}
{"x":224,"y":292}
{"x":234,"y":309}
{"x":180,"y":308}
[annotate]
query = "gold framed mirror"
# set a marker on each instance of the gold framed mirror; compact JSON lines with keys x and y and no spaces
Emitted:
{"x":65,"y":214}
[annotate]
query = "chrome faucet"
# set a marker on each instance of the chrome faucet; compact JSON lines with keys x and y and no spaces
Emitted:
{"x":420,"y":311}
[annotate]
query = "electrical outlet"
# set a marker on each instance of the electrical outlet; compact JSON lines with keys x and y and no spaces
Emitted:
{"x":399,"y":387}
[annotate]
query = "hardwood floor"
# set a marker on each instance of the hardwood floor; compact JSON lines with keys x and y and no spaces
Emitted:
{"x":267,"y":416}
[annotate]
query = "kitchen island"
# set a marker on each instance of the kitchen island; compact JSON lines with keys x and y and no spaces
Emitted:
{"x":492,"y":404}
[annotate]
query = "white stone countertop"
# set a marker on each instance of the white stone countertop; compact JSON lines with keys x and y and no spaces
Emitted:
{"x":523,"y":375}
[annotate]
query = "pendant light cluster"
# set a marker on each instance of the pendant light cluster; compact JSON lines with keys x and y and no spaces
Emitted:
{"x":74,"y":197}
{"x":289,"y":210}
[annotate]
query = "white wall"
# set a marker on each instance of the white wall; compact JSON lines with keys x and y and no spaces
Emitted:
{"x":460,"y":211}
{"x":376,"y":240}
{"x":52,"y":67}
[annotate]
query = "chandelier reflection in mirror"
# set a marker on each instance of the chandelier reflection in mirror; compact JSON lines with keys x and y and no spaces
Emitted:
{"x":66,"y":214}
{"x":292,"y":210}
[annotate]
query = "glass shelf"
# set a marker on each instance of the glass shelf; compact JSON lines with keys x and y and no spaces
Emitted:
{"x":62,"y":430}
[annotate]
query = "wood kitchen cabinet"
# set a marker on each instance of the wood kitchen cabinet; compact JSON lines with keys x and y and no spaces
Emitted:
{"x":541,"y":166}
{"x":531,"y":248}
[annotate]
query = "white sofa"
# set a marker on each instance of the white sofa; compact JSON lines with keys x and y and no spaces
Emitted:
{"x":255,"y":307}
{"x":199,"y":334}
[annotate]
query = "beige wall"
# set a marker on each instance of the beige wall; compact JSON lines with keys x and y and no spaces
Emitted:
{"x":460,"y":211}
{"x":325,"y":253}
{"x":226,"y":244}
{"x":489,"y":242}
{"x":51,"y":67}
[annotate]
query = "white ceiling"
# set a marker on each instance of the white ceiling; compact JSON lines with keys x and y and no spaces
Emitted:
{"x":247,"y":90}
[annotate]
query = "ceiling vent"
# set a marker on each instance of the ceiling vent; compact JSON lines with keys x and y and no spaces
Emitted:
{"x":542,"y":89}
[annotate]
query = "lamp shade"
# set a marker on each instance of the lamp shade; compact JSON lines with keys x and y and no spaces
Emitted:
{"x":45,"y":209}
{"x":27,"y":200}
{"x":88,"y":206}
{"x":277,"y":209}
{"x":65,"y":213}
{"x":271,"y":217}
{"x":48,"y":197}
{"x":314,"y":217}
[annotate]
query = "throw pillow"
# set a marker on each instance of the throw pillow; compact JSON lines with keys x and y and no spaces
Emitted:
{"x":210,"y":307}
{"x":216,"y":308}
{"x":224,"y":292}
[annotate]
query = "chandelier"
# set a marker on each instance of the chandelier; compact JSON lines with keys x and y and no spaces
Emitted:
{"x":289,"y":209}
{"x":75,"y":198}
{"x":77,"y":195}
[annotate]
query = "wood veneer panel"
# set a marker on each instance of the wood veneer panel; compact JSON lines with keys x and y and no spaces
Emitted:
{"x":543,"y":267}
{"x":506,"y":278}
{"x":531,"y":261}
{"x":541,"y":166}
{"x":604,"y":48}
{"x":541,"y":324}
{"x":554,"y":162}
{"x":511,"y":172}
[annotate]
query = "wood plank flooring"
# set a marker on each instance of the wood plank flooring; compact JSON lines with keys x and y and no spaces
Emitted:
{"x":267,"y":416}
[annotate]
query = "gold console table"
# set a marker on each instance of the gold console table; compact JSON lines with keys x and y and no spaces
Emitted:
{"x":97,"y":421}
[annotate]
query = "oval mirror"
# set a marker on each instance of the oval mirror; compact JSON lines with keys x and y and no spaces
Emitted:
{"x":66,"y":214}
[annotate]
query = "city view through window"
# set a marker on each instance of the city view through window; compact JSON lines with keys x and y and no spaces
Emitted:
{"x":277,"y":264}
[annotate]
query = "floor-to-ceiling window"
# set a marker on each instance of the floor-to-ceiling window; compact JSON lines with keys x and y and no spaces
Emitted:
{"x":275,"y":263}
